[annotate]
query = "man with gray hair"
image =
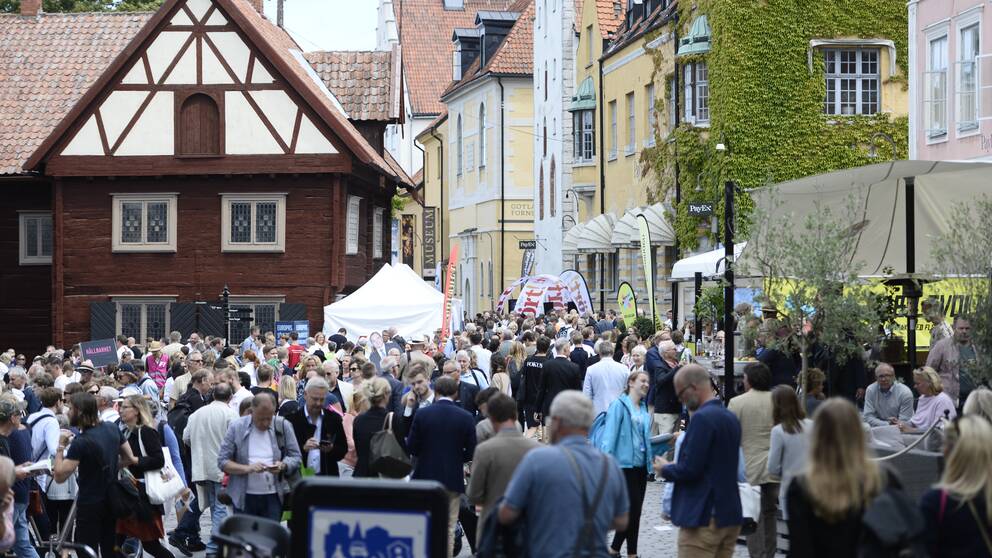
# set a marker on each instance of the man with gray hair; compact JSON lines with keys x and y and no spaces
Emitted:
{"x":19,"y":387}
{"x":319,"y":431}
{"x":342,"y":391}
{"x":605,"y":380}
{"x":105,"y":400}
{"x":557,"y":375}
{"x":194,"y":362}
{"x":887,"y":402}
{"x":587,"y":483}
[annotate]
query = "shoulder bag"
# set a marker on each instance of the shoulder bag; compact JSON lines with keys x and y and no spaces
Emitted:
{"x":162,"y":484}
{"x":981,"y":526}
{"x":386,"y":456}
{"x":585,"y":543}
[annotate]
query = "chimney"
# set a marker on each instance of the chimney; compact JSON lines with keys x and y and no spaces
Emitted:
{"x":30,"y":7}
{"x":258,"y":5}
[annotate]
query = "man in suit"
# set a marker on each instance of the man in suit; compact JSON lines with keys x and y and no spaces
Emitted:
{"x":319,"y":432}
{"x":466,"y":392}
{"x":557,"y":375}
{"x":706,"y":504}
{"x":442,"y":438}
{"x":497,"y":458}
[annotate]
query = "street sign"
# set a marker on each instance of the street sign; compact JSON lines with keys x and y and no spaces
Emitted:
{"x":700,"y":209}
{"x":527,"y":244}
{"x":240,"y":313}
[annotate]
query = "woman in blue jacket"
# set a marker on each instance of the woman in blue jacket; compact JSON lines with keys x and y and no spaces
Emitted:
{"x":627,"y":437}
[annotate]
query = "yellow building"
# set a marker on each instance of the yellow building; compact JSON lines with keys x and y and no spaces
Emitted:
{"x":432,"y":182}
{"x":611,"y":180}
{"x":487,"y":153}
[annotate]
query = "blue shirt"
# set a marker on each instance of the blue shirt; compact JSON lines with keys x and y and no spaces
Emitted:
{"x":544,"y":487}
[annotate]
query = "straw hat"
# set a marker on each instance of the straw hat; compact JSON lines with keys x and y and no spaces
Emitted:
{"x":154,"y":347}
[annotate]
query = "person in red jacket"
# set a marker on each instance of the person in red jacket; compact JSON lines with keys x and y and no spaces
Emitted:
{"x":295,"y":349}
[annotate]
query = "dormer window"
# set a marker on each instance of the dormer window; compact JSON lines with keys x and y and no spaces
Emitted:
{"x":198,"y":133}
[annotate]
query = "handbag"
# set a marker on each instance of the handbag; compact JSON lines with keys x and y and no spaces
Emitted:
{"x":750,"y":507}
{"x":161,"y":484}
{"x":386,"y":456}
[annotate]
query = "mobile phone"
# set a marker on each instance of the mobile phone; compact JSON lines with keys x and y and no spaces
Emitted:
{"x":326,"y":443}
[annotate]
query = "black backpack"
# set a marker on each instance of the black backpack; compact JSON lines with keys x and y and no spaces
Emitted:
{"x":179,"y":415}
{"x":892,"y":525}
{"x":502,"y":541}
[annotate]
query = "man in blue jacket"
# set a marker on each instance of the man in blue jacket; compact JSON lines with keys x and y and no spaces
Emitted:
{"x":442,"y":438}
{"x":706,"y":503}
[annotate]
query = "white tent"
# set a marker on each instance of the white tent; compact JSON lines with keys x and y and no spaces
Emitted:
{"x":881,"y":193}
{"x":394,"y":297}
{"x":710,"y":264}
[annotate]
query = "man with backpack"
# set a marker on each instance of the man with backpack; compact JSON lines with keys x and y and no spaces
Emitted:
{"x":570,"y":493}
{"x":44,"y":439}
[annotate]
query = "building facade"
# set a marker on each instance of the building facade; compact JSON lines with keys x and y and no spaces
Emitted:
{"x":950,"y":68}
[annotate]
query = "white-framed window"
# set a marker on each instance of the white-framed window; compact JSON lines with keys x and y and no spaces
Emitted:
{"x":35,"y":237}
{"x":253,"y":222}
{"x":935,"y":89}
{"x":697,"y":93}
{"x":460,"y":140}
{"x":651,"y":115}
{"x":144,"y":222}
{"x":589,"y":40}
{"x":264,"y":314}
{"x":613,"y":130}
{"x":142,"y":317}
{"x":482,"y":135}
{"x":853,"y":80}
{"x":352,"y":225}
{"x":631,"y":125}
{"x":966,"y":86}
{"x":584,"y":134}
{"x":377,"y":219}
{"x":673,"y":94}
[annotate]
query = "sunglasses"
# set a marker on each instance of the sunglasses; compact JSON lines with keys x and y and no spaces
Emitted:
{"x":352,"y":368}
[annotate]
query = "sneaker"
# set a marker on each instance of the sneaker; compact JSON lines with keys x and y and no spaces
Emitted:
{"x":196,"y":546}
{"x":180,"y":545}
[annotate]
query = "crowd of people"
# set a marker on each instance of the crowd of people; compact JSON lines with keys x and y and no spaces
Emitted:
{"x":552,"y":425}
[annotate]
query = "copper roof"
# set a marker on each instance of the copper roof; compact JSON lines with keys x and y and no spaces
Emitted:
{"x":425,"y":30}
{"x":515,"y":55}
{"x":366,"y":83}
{"x":46,"y":64}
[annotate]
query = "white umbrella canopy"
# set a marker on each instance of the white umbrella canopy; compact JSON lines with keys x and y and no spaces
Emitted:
{"x":880,"y":194}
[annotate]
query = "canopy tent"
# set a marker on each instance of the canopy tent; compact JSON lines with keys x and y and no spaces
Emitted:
{"x":710,"y":264}
{"x":570,"y":243}
{"x":885,"y":227}
{"x":626,"y":233}
{"x":394,"y":297}
{"x":595,"y":238}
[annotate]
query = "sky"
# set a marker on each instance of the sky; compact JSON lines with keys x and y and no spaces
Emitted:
{"x":328,"y":24}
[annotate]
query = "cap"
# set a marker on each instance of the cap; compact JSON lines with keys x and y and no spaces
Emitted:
{"x":126,"y":367}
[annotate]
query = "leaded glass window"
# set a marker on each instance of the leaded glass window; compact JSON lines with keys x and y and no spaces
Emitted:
{"x":254,"y":222}
{"x":144,"y":222}
{"x":240,"y":222}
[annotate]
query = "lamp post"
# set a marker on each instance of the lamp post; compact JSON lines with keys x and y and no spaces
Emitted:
{"x":728,"y":278}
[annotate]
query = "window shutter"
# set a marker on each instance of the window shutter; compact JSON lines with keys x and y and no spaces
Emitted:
{"x":103,"y":320}
{"x":292,"y":312}
{"x":182,"y":318}
{"x":211,"y":320}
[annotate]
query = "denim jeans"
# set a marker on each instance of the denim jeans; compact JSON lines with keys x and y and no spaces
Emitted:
{"x":189,"y":526}
{"x":218,"y":511}
{"x":263,"y":505}
{"x":22,"y":540}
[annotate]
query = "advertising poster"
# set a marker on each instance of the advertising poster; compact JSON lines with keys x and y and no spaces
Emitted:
{"x":628,"y":304}
{"x":352,"y":533}
{"x":579,"y":291}
{"x":100,"y":352}
{"x":407,"y":232}
{"x":449,"y":286}
{"x":642,"y":223}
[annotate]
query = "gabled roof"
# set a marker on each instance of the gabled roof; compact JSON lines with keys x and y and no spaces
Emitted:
{"x":47,"y":63}
{"x":515,"y":55}
{"x":660,"y":15}
{"x":425,"y":30}
{"x":274,"y":43}
{"x":366,"y":83}
{"x":609,"y":16}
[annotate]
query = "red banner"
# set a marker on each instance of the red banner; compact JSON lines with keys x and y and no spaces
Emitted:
{"x":449,"y":286}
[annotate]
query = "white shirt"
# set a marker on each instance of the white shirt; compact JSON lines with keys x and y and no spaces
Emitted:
{"x":475,"y":378}
{"x":109,"y":415}
{"x":64,"y":380}
{"x":124,"y":350}
{"x":260,"y":451}
{"x":204,"y":434}
{"x":482,"y":357}
{"x":313,"y":456}
{"x":238,"y":397}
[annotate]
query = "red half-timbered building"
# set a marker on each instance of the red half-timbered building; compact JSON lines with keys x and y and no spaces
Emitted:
{"x":206,"y":152}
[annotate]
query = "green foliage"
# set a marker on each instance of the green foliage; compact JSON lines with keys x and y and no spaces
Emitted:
{"x":963,"y":251}
{"x":644,"y":327}
{"x":767,"y":105}
{"x":709,"y":305}
{"x":396,"y":205}
{"x":63,"y":6}
{"x":810,"y":276}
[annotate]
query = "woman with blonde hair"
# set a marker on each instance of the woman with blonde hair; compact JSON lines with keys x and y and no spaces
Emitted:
{"x":500,"y":379}
{"x":146,"y":445}
{"x":288,"y":403}
{"x":932,"y":405}
{"x":515,"y":364}
{"x":825,"y":503}
{"x":377,"y":392}
{"x":958,"y":510}
{"x":359,"y":404}
{"x":979,"y":403}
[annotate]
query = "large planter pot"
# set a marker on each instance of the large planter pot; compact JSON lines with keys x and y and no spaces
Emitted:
{"x":893,"y":349}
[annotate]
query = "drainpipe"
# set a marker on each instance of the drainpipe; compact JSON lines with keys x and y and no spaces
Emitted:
{"x":440,"y":166}
{"x":602,"y":177}
{"x":502,"y":185}
{"x":678,"y":187}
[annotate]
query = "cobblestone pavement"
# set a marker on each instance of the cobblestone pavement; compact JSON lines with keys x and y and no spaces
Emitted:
{"x":657,"y":539}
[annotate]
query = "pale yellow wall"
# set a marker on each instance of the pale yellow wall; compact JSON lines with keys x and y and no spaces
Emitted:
{"x":435,"y":192}
{"x":588,"y":66}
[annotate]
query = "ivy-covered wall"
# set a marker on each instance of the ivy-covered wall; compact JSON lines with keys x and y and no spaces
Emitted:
{"x":767,"y":105}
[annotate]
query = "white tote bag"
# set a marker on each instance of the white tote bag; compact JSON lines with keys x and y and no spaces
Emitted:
{"x":750,"y":506}
{"x":165,"y":483}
